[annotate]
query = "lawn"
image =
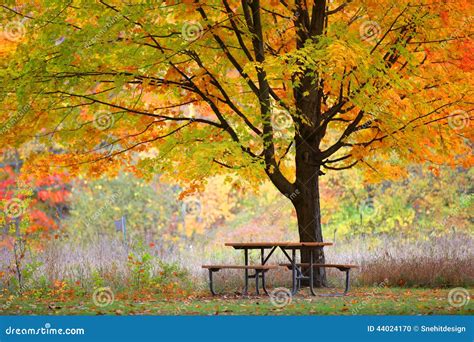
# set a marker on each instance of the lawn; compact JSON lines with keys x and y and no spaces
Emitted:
{"x":361,"y":301}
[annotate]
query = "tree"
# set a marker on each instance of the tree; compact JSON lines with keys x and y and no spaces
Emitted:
{"x":429,"y":202}
{"x":286,"y":89}
{"x":153,"y":212}
{"x":32,"y":207}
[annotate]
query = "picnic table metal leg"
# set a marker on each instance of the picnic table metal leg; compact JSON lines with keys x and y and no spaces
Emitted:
{"x":257,"y":275}
{"x":264,"y":286}
{"x":293,"y":272}
{"x":294,"y":269}
{"x":346,"y":289}
{"x":311,"y":273}
{"x":263,"y":273}
{"x":211,"y":285}
{"x":347,"y":281}
{"x":246,"y":272}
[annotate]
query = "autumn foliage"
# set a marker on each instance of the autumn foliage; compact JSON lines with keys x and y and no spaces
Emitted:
{"x":198,"y":97}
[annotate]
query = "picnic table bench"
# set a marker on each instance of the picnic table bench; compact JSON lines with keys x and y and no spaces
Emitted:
{"x":296,"y":268}
{"x":341,"y":267}
{"x":259,"y":269}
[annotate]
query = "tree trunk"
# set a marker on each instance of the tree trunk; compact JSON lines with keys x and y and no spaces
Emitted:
{"x":308,"y":209}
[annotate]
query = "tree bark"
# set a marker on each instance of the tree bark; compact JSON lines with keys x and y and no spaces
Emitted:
{"x":307,"y":205}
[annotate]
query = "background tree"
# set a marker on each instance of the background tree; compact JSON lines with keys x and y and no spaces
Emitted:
{"x":288,"y":89}
{"x":32,"y":210}
{"x":427,"y":203}
{"x":153,"y":210}
{"x":31,"y":206}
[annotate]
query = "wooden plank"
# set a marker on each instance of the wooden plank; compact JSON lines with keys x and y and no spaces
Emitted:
{"x":242,"y":267}
{"x":270,"y":244}
{"x":323,"y":265}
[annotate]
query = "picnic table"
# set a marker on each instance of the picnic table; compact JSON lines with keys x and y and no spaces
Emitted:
{"x":297,"y":274}
{"x":289,"y":250}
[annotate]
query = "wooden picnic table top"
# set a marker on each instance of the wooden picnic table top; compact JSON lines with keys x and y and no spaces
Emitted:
{"x":270,"y":244}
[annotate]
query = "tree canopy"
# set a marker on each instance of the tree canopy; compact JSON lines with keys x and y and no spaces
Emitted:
{"x":200,"y":88}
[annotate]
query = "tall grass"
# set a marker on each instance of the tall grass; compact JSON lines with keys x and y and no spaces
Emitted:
{"x":444,"y":261}
{"x":436,"y":262}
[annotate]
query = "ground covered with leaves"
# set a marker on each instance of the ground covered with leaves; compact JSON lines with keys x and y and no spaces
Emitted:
{"x":368,"y":301}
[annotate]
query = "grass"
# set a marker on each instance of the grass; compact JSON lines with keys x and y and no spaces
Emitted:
{"x":446,"y":261}
{"x":361,"y":301}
